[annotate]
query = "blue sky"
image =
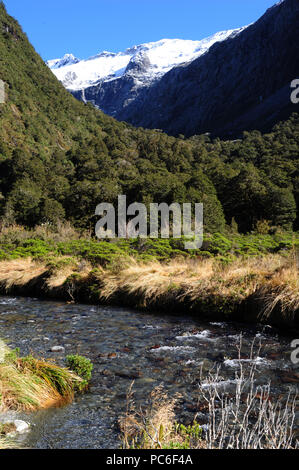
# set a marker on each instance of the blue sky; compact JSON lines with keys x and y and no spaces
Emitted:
{"x":84,"y":28}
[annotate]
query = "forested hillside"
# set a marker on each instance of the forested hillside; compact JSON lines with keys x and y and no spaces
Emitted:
{"x":59,"y":158}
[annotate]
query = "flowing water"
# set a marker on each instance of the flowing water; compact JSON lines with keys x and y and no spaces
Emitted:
{"x":127,"y":345}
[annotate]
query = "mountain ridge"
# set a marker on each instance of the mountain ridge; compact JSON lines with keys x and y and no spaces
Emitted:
{"x":241,"y":83}
{"x":112,"y":80}
{"x":163,"y":54}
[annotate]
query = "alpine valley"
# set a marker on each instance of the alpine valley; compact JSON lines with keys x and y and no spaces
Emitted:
{"x":165,"y":347}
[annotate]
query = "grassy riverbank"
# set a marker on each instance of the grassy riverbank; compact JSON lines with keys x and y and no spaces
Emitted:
{"x":247,"y":278}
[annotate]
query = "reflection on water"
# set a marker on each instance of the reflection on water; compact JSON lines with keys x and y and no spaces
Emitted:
{"x":127,"y":345}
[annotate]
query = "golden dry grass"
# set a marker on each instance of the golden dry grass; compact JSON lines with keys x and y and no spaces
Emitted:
{"x":154,"y":279}
{"x":31,"y":384}
{"x":61,"y":232}
{"x":273,"y":279}
{"x":153,"y":426}
{"x":19,"y":272}
{"x":273,"y":276}
{"x":59,"y":276}
{"x":282,"y":289}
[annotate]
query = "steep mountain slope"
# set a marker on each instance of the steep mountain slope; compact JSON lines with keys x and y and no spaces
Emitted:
{"x":60,"y":158}
{"x":111,"y":81}
{"x":241,"y":83}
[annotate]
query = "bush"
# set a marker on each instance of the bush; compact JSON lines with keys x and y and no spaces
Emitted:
{"x":82,"y":367}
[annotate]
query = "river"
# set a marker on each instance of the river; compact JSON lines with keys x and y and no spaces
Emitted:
{"x":127,"y":345}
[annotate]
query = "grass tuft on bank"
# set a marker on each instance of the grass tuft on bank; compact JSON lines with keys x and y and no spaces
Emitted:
{"x":209,"y":287}
{"x":259,"y":289}
{"x":29,"y":384}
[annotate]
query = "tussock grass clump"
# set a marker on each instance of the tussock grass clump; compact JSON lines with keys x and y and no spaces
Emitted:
{"x":28,"y":384}
{"x":20,"y":272}
{"x":282,"y":289}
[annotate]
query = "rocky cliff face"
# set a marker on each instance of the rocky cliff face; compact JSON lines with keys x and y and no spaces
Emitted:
{"x":240,"y":83}
{"x":112,"y":96}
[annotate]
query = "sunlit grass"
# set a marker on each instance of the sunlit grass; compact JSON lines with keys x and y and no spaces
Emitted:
{"x":28,"y":384}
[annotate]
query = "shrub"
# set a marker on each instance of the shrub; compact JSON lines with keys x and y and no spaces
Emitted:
{"x":82,"y":367}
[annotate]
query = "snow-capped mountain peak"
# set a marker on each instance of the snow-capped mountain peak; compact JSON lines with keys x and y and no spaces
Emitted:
{"x":67,"y":59}
{"x":149,"y":61}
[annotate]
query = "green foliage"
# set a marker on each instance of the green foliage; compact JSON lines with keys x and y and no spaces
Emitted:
{"x":187,"y":437}
{"x":24,"y":249}
{"x":225,"y":247}
{"x":82,"y":367}
{"x":59,"y":158}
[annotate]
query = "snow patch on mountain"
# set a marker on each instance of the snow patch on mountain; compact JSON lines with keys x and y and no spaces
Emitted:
{"x":67,"y":59}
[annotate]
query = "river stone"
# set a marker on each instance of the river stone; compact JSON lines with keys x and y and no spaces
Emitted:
{"x":128,"y":374}
{"x":58,"y":349}
{"x":21,"y":426}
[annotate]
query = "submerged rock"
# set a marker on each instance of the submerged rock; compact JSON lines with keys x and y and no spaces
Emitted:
{"x":58,"y":349}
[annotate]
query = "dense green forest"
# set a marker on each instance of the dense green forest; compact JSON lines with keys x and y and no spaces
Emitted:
{"x":59,"y":158}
